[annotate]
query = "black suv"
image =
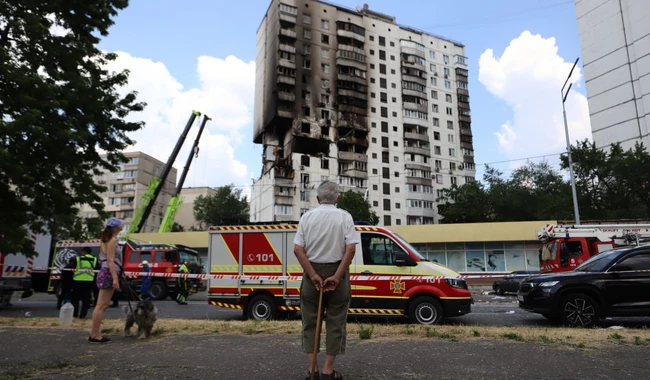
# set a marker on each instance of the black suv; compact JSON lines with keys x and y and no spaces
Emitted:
{"x":610,"y":284}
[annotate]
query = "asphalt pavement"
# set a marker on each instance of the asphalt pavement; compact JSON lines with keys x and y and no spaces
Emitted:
{"x":65,"y":353}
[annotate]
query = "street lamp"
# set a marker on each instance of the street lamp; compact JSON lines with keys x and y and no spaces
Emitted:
{"x":568,"y":144}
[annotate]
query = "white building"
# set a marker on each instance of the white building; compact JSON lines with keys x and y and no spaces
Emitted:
{"x":615,"y":38}
{"x":353,"y":97}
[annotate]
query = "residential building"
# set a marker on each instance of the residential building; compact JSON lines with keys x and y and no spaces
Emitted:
{"x":126,"y":187}
{"x":353,"y":97}
{"x":185,"y":215}
{"x":615,"y":39}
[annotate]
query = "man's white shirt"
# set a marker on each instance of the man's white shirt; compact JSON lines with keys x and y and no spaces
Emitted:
{"x":324,"y":232}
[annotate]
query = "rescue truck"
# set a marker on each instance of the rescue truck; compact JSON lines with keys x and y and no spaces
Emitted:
{"x":567,"y":246}
{"x":380,"y":275}
{"x":162,"y":258}
{"x":21,"y":273}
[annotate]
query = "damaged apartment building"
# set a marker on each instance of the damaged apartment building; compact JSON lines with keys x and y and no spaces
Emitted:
{"x":353,"y":97}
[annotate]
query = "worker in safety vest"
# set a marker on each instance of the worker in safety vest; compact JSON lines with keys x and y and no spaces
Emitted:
{"x":182,"y":284}
{"x":83,"y":282}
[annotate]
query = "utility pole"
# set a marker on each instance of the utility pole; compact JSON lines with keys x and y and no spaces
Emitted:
{"x":576,"y":212}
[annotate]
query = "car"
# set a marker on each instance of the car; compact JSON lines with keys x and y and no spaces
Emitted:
{"x":510,"y":282}
{"x":614,"y":283}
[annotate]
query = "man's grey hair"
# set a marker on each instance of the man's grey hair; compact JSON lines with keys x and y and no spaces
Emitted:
{"x":328,"y":192}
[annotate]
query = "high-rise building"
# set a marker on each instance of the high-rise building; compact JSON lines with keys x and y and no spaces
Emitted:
{"x":126,"y":187}
{"x":353,"y":97}
{"x":615,"y":39}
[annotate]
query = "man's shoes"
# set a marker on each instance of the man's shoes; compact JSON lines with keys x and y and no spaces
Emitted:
{"x":316,"y":376}
{"x":103,"y":340}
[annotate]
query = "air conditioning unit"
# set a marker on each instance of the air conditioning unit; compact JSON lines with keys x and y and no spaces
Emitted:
{"x":461,"y":167}
{"x":435,"y":74}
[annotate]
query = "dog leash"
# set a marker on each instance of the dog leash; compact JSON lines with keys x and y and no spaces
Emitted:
{"x":132,"y":293}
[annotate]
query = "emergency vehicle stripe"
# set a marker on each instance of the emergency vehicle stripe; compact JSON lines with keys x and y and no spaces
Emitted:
{"x":353,"y":311}
{"x":226,"y":305}
{"x":232,"y":243}
{"x":273,"y":227}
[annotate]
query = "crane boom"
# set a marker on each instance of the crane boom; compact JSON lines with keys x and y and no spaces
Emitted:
{"x":176,"y":201}
{"x":620,"y":234}
{"x":157,"y":183}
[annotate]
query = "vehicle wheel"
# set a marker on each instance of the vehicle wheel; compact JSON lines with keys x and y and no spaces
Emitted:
{"x":498,"y":290}
{"x":425,"y":311}
{"x":579,"y":310}
{"x":261,"y":307}
{"x":158,"y":290}
{"x":551,"y":317}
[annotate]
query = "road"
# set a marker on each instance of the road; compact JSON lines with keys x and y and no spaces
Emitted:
{"x":487,"y":311}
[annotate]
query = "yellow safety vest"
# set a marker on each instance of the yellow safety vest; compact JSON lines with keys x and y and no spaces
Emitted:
{"x":85,"y":262}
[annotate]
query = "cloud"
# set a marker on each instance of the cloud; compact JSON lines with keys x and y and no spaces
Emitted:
{"x":528,"y":78}
{"x":225,"y":94}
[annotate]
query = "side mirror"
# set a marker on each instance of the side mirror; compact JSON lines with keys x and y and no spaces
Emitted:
{"x":404,"y":260}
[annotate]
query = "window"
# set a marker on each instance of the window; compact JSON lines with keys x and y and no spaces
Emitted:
{"x":392,"y":44}
{"x":384,"y":142}
{"x":461,"y":84}
{"x":288,"y":9}
{"x":306,"y":49}
{"x":325,"y":24}
{"x":434,"y":81}
{"x":384,"y":126}
{"x":382,"y":68}
{"x":452,"y":152}
{"x":434,"y":108}
{"x":383,"y":83}
{"x":432,"y":54}
{"x":384,"y":157}
{"x":306,"y":33}
{"x":439,"y":179}
{"x":432,"y":68}
{"x":324,"y":98}
{"x":386,"y":220}
{"x":383,"y":97}
{"x":436,"y":122}
{"x":448,"y":98}
{"x":324,"y":38}
{"x":454,"y":181}
{"x":283,"y":210}
{"x":304,"y":160}
{"x":640,"y":261}
{"x":386,"y":188}
{"x":446,"y":71}
{"x":436,"y":150}
{"x":384,"y":111}
{"x":450,"y":138}
{"x":306,"y":19}
{"x":325,"y":68}
{"x":461,"y":60}
{"x":382,"y":41}
{"x":325,"y":83}
{"x":434,"y":94}
{"x":386,"y":204}
{"x":450,"y":124}
{"x":447,"y":84}
{"x":325,"y":53}
{"x":445,"y":59}
{"x":450,"y":111}
{"x":436,"y":135}
{"x":385,"y":173}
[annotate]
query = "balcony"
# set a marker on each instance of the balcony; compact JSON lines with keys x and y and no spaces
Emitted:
{"x":415,"y":79}
{"x":416,"y":136}
{"x":350,"y":34}
{"x":286,"y":79}
{"x":351,"y":156}
{"x":416,"y":211}
{"x":287,"y":96}
{"x":465,"y":131}
{"x":414,"y":65}
{"x":352,"y":109}
{"x":421,"y":95}
{"x":417,"y":166}
{"x":412,"y":51}
{"x":286,"y":63}
{"x":355,"y":173}
{"x":462,"y":104}
{"x":351,"y":78}
{"x":466,"y":145}
{"x":419,"y":181}
{"x":418,"y":150}
{"x":354,"y":141}
{"x":283,"y":200}
{"x":353,"y":94}
{"x":347,"y":58}
{"x":288,"y":33}
{"x":286,"y":113}
{"x":468,"y":158}
{"x":462,"y":91}
{"x":464,"y":118}
{"x":288,"y":48}
{"x":415,"y":107}
{"x":287,"y":18}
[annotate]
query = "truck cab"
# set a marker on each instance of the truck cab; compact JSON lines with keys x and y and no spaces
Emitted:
{"x":565,"y":254}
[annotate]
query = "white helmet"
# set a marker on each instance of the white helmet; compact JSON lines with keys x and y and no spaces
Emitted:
{"x":145,"y":262}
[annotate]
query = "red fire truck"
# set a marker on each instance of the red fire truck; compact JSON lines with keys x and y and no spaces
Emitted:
{"x":267,"y":250}
{"x":567,"y":246}
{"x":163,"y":258}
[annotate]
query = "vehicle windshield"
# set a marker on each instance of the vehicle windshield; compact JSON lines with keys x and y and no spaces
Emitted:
{"x":410,"y":247}
{"x":597,"y":263}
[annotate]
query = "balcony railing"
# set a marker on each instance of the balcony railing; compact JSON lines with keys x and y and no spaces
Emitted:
{"x":415,"y":107}
{"x":288,"y":18}
{"x":351,"y":156}
{"x":414,"y":65}
{"x":416,"y":136}
{"x":288,"y":48}
{"x":412,"y":51}
{"x":288,"y":33}
{"x":286,"y":63}
{"x":418,"y":150}
{"x":286,"y":79}
{"x":287,"y":96}
{"x":350,"y":34}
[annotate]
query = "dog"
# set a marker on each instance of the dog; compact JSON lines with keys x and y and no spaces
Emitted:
{"x":144,"y":315}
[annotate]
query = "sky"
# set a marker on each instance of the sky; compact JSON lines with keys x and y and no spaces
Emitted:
{"x":201,"y":56}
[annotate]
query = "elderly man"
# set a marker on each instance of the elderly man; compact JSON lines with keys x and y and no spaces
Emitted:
{"x":325,"y":245}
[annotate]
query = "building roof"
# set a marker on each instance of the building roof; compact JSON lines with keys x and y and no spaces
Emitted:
{"x":431,"y":233}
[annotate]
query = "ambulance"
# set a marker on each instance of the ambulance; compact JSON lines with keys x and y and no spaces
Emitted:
{"x":21,"y":273}
{"x":388,"y":276}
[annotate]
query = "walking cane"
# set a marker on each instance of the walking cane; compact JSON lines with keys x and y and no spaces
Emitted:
{"x":317,"y":336}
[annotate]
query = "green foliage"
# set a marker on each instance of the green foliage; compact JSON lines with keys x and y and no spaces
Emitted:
{"x":611,"y":184}
{"x":83,"y":228}
{"x":177,"y":227}
{"x":357,"y":206}
{"x":58,"y":105}
{"x":226,"y":207}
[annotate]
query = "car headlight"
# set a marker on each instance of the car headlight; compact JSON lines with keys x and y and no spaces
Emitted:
{"x":456,"y":283}
{"x":547,"y":284}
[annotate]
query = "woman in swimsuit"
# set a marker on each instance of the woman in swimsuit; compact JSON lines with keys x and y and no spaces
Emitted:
{"x":108,"y":278}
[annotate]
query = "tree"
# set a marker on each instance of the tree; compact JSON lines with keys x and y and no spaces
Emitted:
{"x":465,"y":204}
{"x":58,"y":105}
{"x":83,"y":228}
{"x":358,"y":207}
{"x":226,"y":207}
{"x":177,"y":227}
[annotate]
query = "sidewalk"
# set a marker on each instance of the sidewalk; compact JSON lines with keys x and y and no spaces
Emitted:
{"x":49,"y":353}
